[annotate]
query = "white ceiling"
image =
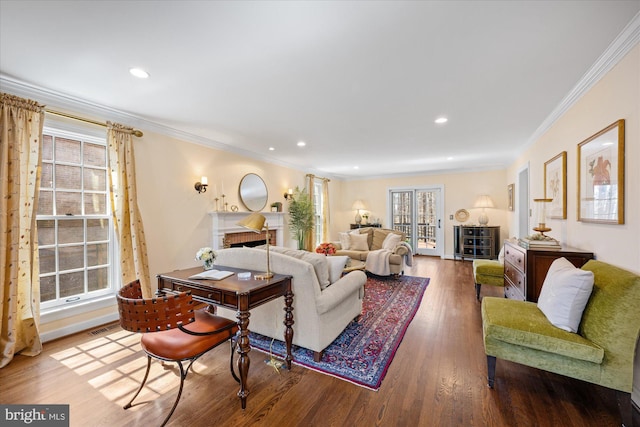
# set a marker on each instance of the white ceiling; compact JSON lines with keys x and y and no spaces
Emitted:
{"x":361,"y":82}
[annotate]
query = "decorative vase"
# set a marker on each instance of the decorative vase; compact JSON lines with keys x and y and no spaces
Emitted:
{"x":208,"y":264}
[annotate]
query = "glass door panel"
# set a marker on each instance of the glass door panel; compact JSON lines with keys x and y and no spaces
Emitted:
{"x":402,"y":213}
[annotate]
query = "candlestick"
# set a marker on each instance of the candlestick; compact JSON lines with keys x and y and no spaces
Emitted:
{"x":216,"y":199}
{"x":224,"y":205}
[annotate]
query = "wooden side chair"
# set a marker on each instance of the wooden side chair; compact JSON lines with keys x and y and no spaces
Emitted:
{"x":163,"y":321}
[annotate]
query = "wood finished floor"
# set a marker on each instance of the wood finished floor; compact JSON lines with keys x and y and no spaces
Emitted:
{"x":437,"y":378}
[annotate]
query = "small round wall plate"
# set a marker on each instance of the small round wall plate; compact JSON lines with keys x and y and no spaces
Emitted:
{"x":462,"y":215}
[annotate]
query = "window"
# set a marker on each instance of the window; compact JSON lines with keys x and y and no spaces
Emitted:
{"x":317,"y":207}
{"x":75,"y":233}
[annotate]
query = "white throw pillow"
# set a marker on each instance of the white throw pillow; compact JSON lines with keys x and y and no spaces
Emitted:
{"x":565,"y":293}
{"x":345,"y":241}
{"x":391,"y":241}
{"x":359,"y":242}
{"x":336,"y":265}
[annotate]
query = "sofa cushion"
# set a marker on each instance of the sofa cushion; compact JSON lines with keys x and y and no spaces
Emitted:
{"x":379,"y":234}
{"x":318,"y":261}
{"x":345,"y":241}
{"x":530,"y":328}
{"x":336,"y":266}
{"x":359,"y":255}
{"x":369,"y":232}
{"x":358,"y":242}
{"x":488,"y":272}
{"x":565,"y":293}
{"x":391,"y":241}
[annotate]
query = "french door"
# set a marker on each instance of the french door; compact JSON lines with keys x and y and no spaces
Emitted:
{"x":417,"y":212}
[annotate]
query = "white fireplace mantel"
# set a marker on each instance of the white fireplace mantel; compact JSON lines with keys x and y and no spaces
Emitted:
{"x":227,"y":222}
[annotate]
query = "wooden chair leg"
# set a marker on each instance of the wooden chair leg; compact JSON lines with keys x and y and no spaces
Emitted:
{"x":491,"y":370}
{"x":144,"y":380}
{"x":233,"y":343}
{"x":625,"y":408}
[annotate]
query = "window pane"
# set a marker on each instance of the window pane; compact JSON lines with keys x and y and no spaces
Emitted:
{"x":67,"y":150}
{"x":95,"y":179}
{"x":71,"y":284}
{"x":45,"y":203}
{"x":95,"y":204}
{"x":97,"y":254}
{"x":68,"y":203}
{"x":97,"y":229}
{"x":47,"y":147}
{"x":95,"y":155}
{"x":47,"y":288}
{"x":46,"y":232}
{"x":47,"y":176}
{"x":47,"y":260}
{"x":71,"y":257}
{"x":68,"y":177}
{"x":98,"y":279}
{"x":70,"y":231}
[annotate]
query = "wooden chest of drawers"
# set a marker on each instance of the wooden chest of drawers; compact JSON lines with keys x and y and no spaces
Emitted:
{"x":526,"y":269}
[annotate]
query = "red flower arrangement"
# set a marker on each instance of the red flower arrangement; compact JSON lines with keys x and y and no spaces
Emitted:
{"x":326,"y":249}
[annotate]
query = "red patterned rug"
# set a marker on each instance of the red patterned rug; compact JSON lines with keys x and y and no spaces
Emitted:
{"x":363,"y":352}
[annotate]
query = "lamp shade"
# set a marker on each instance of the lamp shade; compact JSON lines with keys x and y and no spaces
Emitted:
{"x":254,"y":222}
{"x":483,"y":201}
{"x":358,"y":205}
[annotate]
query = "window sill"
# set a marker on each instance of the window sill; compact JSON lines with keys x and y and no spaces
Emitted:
{"x":61,"y":313}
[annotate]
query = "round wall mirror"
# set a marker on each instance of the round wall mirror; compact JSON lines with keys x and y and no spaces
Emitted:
{"x":253,"y":192}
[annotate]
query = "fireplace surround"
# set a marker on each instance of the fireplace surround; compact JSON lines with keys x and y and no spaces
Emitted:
{"x":225,"y":231}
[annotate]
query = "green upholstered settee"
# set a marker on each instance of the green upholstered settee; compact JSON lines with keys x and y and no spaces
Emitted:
{"x":602,"y":352}
{"x":487,"y":272}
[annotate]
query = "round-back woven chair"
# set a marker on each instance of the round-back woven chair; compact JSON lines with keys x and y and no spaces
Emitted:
{"x":163,"y":321}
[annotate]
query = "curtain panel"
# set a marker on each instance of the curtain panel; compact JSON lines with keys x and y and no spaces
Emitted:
{"x":127,"y":219}
{"x":326,"y":219}
{"x":21,"y":123}
{"x":310,"y":241}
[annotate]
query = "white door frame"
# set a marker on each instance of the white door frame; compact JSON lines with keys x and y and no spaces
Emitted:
{"x":439,"y":250}
{"x":522,"y":207}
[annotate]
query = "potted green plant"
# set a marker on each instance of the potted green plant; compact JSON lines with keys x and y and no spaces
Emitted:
{"x":301,"y":215}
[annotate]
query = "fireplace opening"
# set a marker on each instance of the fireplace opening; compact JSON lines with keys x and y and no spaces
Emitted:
{"x":248,"y":238}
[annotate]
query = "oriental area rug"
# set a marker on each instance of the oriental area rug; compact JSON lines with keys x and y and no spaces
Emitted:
{"x":363,"y":352}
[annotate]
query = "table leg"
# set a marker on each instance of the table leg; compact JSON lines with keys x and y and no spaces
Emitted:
{"x":243,"y":351}
{"x":288,"y":322}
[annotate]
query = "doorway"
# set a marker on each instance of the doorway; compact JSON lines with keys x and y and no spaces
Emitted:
{"x":522,"y":206}
{"x":417,"y":212}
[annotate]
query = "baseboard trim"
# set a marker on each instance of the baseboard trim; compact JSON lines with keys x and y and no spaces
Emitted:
{"x":78,"y":327}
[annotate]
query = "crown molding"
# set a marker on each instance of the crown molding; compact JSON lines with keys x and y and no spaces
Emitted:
{"x":73,"y":105}
{"x":624,"y":42}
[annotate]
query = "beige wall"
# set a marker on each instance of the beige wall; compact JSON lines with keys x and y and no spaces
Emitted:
{"x":460,"y":192}
{"x":616,"y":96}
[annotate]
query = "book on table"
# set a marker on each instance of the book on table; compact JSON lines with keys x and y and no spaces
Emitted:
{"x":212,"y":275}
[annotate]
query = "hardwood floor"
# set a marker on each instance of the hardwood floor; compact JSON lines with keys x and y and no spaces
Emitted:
{"x":437,"y":378}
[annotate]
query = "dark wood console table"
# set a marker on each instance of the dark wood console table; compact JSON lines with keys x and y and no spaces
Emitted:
{"x":240,"y":295}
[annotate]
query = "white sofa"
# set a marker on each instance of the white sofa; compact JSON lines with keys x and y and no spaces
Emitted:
{"x":319,"y":315}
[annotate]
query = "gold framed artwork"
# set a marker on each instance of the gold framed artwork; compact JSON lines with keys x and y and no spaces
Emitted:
{"x":510,"y":194}
{"x":555,"y":186}
{"x":601,"y":176}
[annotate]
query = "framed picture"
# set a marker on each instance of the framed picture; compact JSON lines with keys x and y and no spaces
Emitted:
{"x":555,"y":185}
{"x":510,"y":190}
{"x":601,"y":176}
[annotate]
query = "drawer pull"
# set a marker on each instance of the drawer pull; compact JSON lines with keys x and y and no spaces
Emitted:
{"x":179,"y":288}
{"x":209,"y":295}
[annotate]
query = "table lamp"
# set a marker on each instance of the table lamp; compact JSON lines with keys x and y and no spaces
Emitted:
{"x":358,"y":206}
{"x":256,"y":222}
{"x":483,"y":202}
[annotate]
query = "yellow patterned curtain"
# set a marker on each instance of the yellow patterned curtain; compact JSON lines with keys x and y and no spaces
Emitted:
{"x":326,"y":220}
{"x":126,"y":215}
{"x":309,"y":241}
{"x":21,"y":123}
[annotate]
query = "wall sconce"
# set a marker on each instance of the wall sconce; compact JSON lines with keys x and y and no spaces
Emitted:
{"x":288,"y":194}
{"x":201,"y":186}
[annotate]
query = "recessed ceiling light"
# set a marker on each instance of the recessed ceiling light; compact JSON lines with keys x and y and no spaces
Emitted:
{"x":356,"y":167}
{"x":301,"y":143}
{"x":441,"y":120}
{"x":449,"y":158}
{"x":271,"y":149}
{"x":139,"y":73}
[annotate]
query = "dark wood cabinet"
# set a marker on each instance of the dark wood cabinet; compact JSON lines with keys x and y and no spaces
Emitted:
{"x":354,"y":226}
{"x":476,"y":241}
{"x":526,"y":269}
